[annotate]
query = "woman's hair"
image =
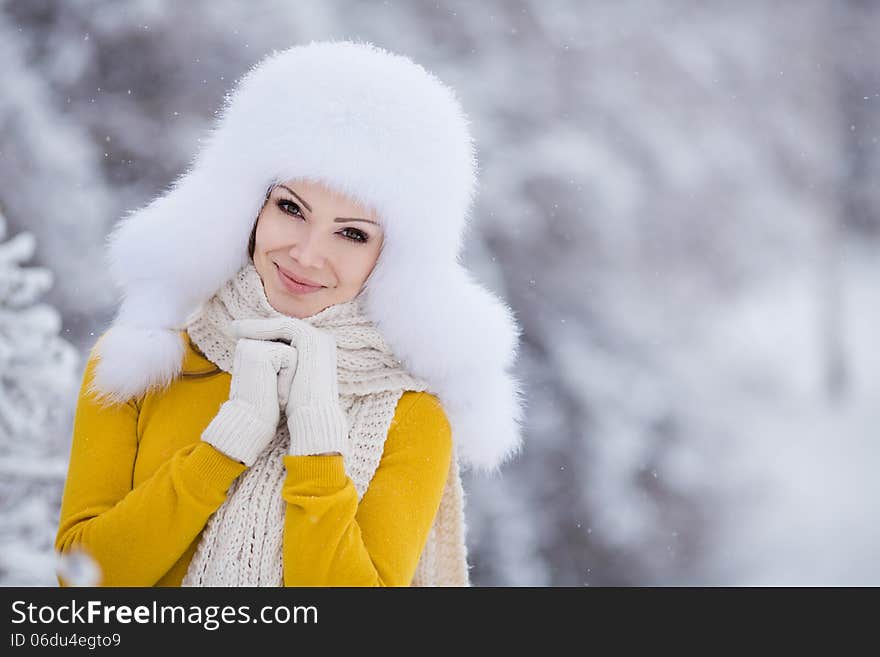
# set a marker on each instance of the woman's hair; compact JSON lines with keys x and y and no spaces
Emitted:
{"x":252,"y":244}
{"x":252,"y":241}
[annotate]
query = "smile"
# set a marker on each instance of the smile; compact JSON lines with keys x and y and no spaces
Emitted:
{"x":295,"y":287}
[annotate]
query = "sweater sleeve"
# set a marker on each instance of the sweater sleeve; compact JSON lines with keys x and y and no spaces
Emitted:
{"x":330,"y":540}
{"x":134,"y":534}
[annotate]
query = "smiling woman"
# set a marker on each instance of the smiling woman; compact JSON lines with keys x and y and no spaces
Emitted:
{"x":328,"y":356}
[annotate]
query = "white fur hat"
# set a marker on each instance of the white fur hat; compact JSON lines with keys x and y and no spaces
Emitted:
{"x":386,"y":132}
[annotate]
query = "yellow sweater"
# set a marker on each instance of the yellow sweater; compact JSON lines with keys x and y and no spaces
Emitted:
{"x":141,"y":486}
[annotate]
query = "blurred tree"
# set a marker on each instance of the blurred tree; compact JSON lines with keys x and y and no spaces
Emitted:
{"x":38,"y":374}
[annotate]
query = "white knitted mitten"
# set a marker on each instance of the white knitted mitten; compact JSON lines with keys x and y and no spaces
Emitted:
{"x":315,"y":418}
{"x":248,"y":420}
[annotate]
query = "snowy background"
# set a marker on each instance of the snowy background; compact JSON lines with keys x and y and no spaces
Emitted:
{"x":680,"y":201}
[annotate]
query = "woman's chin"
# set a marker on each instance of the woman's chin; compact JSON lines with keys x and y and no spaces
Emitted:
{"x":291,"y":311}
{"x":295,"y":308}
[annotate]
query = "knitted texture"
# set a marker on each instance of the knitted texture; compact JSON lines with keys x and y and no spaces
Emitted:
{"x":241,"y":545}
{"x":233,"y":432}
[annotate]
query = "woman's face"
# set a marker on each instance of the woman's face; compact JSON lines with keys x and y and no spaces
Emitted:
{"x":317,"y":236}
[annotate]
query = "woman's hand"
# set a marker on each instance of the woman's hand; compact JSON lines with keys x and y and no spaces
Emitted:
{"x":248,"y":420}
{"x":315,"y":417}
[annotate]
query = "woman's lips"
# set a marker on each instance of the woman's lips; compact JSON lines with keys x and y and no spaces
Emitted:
{"x":294,"y":286}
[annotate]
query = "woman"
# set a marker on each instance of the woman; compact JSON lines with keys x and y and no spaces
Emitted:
{"x":236,"y":427}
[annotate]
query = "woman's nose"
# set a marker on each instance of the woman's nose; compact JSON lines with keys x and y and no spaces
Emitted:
{"x":308,"y":251}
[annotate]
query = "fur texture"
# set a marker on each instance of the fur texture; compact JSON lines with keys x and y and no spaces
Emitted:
{"x":379,"y":128}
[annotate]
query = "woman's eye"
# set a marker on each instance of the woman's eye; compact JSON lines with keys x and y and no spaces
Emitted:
{"x":284,"y":202}
{"x":356,"y":235}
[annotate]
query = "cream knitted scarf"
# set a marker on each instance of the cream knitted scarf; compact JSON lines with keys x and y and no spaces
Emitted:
{"x":241,"y":545}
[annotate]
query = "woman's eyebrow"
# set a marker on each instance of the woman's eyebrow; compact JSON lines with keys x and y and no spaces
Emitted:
{"x":338,"y":219}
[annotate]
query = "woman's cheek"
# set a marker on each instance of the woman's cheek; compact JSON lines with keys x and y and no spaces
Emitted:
{"x":275,"y":236}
